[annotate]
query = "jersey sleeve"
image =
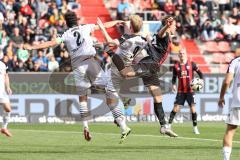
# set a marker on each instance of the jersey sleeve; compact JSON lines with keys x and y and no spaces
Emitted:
{"x":232,"y":66}
{"x":196,"y":69}
{"x":89,"y":28}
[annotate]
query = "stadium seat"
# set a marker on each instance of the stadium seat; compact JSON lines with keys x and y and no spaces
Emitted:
{"x":211,"y":46}
{"x":224,"y":46}
{"x":218,"y":58}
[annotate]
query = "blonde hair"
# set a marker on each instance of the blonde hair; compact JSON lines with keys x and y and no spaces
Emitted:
{"x":136,"y":23}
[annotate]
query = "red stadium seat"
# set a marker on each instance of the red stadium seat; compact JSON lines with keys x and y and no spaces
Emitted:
{"x":224,"y":46}
{"x":218,"y":58}
{"x":211,"y":46}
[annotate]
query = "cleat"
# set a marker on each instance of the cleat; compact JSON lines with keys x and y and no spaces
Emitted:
{"x":124,"y":135}
{"x":168,"y":131}
{"x":6,"y":132}
{"x":195,"y":130}
{"x":86,"y":134}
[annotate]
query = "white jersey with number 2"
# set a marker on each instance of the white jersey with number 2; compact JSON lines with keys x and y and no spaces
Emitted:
{"x":79,"y":42}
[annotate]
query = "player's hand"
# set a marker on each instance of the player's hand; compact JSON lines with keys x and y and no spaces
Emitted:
{"x":27,"y":47}
{"x":174,"y":88}
{"x":169,"y":21}
{"x":221,"y":103}
{"x":9,"y":91}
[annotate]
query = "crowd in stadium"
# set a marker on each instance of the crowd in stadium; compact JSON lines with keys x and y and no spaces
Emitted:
{"x":32,"y":21}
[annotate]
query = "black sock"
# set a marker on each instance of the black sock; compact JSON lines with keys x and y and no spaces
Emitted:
{"x":158,"y":108}
{"x":194,"y":119}
{"x":172,"y":115}
{"x":117,"y":60}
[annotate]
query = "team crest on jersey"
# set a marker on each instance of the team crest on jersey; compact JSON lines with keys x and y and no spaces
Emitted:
{"x":188,"y":67}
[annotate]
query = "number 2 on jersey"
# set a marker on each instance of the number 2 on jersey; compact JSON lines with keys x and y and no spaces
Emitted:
{"x":78,"y":35}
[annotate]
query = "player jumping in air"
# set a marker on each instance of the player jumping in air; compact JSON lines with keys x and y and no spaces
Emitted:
{"x":149,"y":66}
{"x":184,"y":71}
{"x":87,"y":70}
{"x":233,"y":119}
{"x":5,"y":90}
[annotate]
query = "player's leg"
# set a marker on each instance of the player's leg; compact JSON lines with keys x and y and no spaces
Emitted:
{"x":113,"y":101}
{"x":227,"y":141}
{"x":158,"y":109}
{"x":6,"y":116}
{"x":84,"y":113}
{"x":191,"y":103}
{"x":172,"y":114}
{"x":233,"y":121}
{"x":179,"y":101}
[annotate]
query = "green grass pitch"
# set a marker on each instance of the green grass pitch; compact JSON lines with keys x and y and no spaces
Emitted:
{"x":65,"y":142}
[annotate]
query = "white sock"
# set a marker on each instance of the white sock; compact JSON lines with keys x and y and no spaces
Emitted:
{"x":227,"y":153}
{"x":6,"y":118}
{"x":85,"y":124}
{"x":83,"y":112}
{"x":122,"y":123}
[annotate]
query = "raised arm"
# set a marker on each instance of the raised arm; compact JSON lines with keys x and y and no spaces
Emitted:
{"x":164,"y":29}
{"x":105,"y":34}
{"x":108,"y":24}
{"x":42,"y":45}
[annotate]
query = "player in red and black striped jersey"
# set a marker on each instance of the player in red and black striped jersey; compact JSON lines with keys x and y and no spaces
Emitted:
{"x":184,"y":71}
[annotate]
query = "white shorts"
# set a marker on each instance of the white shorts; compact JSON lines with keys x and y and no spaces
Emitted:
{"x":88,"y":74}
{"x":233,"y":117}
{"x":4,"y":98}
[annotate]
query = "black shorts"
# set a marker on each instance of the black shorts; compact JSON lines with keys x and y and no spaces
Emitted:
{"x":182,"y":97}
{"x":148,"y":71}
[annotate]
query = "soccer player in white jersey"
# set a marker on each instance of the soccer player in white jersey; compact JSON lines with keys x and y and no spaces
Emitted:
{"x":87,"y":70}
{"x":5,"y":90}
{"x":233,"y":119}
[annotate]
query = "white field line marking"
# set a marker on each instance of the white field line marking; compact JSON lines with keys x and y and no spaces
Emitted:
{"x":115,"y":134}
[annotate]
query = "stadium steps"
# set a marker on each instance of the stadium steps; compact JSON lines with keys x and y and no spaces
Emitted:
{"x":90,"y":10}
{"x":195,"y":55}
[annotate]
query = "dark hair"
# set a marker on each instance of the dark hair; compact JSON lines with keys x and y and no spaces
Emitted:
{"x":164,"y":20}
{"x":71,"y":19}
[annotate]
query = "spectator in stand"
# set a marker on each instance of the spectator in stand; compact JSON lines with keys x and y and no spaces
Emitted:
{"x":161,"y":4}
{"x":230,"y":30}
{"x":42,"y":8}
{"x":179,"y":22}
{"x":190,"y":23}
{"x":53,"y":65}
{"x":234,"y":16}
{"x":25,"y":9}
{"x":40,"y":62}
{"x":65,"y":63}
{"x":169,"y":7}
{"x":4,"y":39}
{"x":55,"y":17}
{"x":16,"y":37}
{"x":222,"y":5}
{"x":236,"y":3}
{"x":122,"y":9}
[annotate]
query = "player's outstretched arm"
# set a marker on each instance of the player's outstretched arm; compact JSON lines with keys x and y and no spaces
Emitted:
{"x":105,"y":34}
{"x":109,"y":24}
{"x":164,"y":29}
{"x":226,"y":83}
{"x":42,"y":45}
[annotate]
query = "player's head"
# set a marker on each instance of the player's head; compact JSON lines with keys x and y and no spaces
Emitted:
{"x":172,"y":28}
{"x":135,"y":23}
{"x":71,"y":19}
{"x":182,"y":54}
